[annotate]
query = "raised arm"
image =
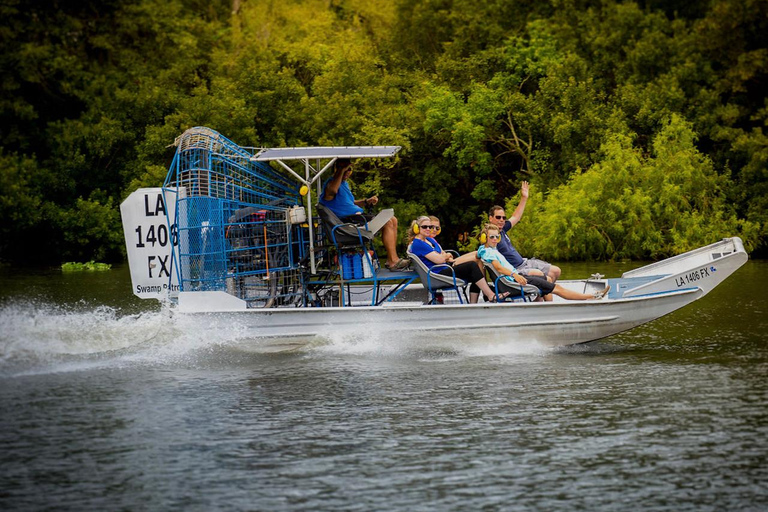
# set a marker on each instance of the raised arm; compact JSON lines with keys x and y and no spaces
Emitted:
{"x":333,"y":186}
{"x":518,"y":214}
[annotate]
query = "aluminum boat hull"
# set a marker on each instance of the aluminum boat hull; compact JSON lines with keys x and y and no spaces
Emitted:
{"x":646,"y":296}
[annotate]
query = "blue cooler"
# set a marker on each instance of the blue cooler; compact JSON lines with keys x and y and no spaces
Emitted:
{"x":351,"y":266}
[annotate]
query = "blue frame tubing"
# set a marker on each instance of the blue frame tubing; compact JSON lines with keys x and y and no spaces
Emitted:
{"x":453,"y":274}
{"x":522,"y":291}
{"x":362,"y":244}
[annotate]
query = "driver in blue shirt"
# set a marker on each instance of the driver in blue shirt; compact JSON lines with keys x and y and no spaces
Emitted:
{"x":338,"y":198}
{"x":531,"y":266}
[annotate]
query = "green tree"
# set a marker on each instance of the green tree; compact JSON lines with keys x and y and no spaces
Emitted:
{"x":629,"y":205}
{"x":20,"y":204}
{"x":586,"y":95}
{"x":82,"y":81}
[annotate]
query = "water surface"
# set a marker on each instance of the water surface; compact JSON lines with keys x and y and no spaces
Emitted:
{"x":108,"y":402}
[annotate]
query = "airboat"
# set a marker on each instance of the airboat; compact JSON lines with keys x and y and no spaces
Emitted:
{"x":232,"y":237}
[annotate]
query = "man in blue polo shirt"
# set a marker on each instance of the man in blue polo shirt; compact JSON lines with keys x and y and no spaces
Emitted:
{"x":531,"y":266}
{"x":338,"y":198}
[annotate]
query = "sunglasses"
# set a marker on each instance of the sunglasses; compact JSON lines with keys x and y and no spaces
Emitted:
{"x":426,"y":226}
{"x":500,"y":217}
{"x":494,"y":237}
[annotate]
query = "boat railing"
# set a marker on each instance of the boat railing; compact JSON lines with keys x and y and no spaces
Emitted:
{"x":692,"y":259}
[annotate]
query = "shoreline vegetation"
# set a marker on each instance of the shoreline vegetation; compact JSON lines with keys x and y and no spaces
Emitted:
{"x":90,"y":266}
{"x":641,"y":125}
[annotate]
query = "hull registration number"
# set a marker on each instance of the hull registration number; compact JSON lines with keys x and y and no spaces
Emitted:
{"x":694,"y":276}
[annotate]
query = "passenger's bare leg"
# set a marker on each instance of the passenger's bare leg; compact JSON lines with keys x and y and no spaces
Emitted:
{"x":389,"y":237}
{"x":554,"y":273}
{"x":483,"y":285}
{"x":570,"y":294}
{"x":470,"y":256}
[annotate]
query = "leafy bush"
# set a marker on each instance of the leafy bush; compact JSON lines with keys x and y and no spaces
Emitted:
{"x":88,"y":266}
{"x":632,"y":206}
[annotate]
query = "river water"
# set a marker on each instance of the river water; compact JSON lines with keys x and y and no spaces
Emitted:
{"x":107,"y":403}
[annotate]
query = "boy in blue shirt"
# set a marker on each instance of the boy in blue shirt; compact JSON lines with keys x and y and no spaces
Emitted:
{"x":531,"y":266}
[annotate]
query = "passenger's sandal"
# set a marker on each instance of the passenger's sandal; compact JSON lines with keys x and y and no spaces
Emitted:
{"x":602,"y":293}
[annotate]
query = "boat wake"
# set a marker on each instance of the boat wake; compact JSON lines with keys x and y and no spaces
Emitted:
{"x":425,"y":345}
{"x":41,"y":338}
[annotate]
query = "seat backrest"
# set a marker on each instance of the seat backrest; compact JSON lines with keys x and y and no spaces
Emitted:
{"x":529,"y":292}
{"x":345,"y":235}
{"x":436,"y":281}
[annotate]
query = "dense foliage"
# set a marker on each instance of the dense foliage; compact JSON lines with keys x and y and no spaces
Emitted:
{"x":640,"y":124}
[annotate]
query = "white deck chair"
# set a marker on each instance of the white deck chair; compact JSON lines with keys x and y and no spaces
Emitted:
{"x":433,"y":282}
{"x":527,"y":293}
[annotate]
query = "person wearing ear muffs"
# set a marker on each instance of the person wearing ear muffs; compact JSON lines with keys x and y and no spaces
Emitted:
{"x":465,"y":267}
{"x":339,"y":199}
{"x":489,"y":252}
{"x":436,"y":229}
{"x":435,"y":225}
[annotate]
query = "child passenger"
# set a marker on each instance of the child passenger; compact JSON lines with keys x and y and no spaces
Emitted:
{"x":488,"y":253}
